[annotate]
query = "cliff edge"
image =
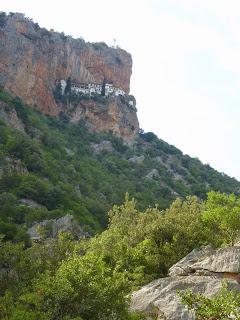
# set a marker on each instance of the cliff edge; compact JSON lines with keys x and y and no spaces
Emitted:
{"x":34,"y":60}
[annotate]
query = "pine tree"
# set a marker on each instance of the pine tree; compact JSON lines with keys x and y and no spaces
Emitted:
{"x":103,"y":92}
{"x":68,"y":86}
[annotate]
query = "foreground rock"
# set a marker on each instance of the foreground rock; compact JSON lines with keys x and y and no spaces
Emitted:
{"x":201,"y":271}
{"x":224,"y":262}
{"x":51,"y":228}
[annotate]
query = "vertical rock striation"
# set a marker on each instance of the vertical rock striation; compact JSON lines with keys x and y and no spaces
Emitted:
{"x":32,"y":59}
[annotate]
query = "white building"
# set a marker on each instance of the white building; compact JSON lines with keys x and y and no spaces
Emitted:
{"x":80,"y":87}
{"x":131,"y":103}
{"x":63,"y":85}
{"x":92,"y":88}
{"x":119,"y":92}
{"x":109,"y":89}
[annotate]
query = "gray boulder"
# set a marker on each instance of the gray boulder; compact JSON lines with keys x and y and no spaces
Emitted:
{"x":30,"y":203}
{"x":137,"y":159}
{"x":160,"y":298}
{"x":202,"y":271}
{"x":223,"y":260}
{"x":152,"y":174}
{"x":185,"y":266}
{"x":104,"y":145}
{"x":51,"y":228}
{"x":10,"y":117}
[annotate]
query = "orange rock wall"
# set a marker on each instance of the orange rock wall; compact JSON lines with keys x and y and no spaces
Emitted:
{"x":33,"y":58}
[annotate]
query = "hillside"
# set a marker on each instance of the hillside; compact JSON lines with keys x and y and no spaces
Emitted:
{"x":50,"y":167}
{"x":92,"y":208}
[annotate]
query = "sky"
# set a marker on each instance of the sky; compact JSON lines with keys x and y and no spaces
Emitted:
{"x":186,"y":64}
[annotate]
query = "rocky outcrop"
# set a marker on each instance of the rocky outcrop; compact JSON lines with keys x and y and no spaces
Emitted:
{"x":207,"y":261}
{"x":104,"y":145}
{"x":110,"y":114}
{"x":152,"y":174}
{"x":51,"y":228}
{"x":9,"y":115}
{"x":33,"y":59}
{"x":137,"y":159}
{"x":30,"y":203}
{"x":14,"y":166}
{"x":201,"y":271}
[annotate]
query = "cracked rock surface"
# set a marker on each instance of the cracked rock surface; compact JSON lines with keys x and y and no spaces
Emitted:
{"x":202,"y":271}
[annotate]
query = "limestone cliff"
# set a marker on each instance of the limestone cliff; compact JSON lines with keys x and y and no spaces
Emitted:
{"x":111,"y":114}
{"x":32,"y":59}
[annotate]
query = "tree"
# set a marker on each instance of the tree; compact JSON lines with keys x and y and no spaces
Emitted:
{"x":82,"y":287}
{"x":103,"y":92}
{"x":179,"y":230}
{"x":222,"y":216}
{"x":3,"y":19}
{"x":57,"y":92}
{"x":16,"y":267}
{"x":224,"y":305}
{"x":68,"y":86}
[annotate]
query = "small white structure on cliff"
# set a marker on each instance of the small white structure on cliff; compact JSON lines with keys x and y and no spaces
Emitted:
{"x":92,"y":88}
{"x":63,"y":84}
{"x":110,"y":89}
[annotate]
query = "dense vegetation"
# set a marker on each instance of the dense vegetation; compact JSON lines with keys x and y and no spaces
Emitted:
{"x":63,"y":168}
{"x":225,"y":305}
{"x":64,"y":279}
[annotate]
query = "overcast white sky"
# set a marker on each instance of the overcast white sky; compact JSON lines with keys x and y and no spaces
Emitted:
{"x":186,"y":55}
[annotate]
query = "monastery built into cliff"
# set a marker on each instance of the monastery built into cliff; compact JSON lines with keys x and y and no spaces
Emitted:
{"x":92,"y":88}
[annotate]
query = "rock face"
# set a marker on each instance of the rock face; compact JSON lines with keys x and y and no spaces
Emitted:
{"x":207,"y":260}
{"x":112,"y":114}
{"x":10,"y":117}
{"x":201,"y":271}
{"x":104,"y":145}
{"x":137,"y":159}
{"x":29,"y":203}
{"x":152,"y":174}
{"x":33,"y":59}
{"x":51,"y":228}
